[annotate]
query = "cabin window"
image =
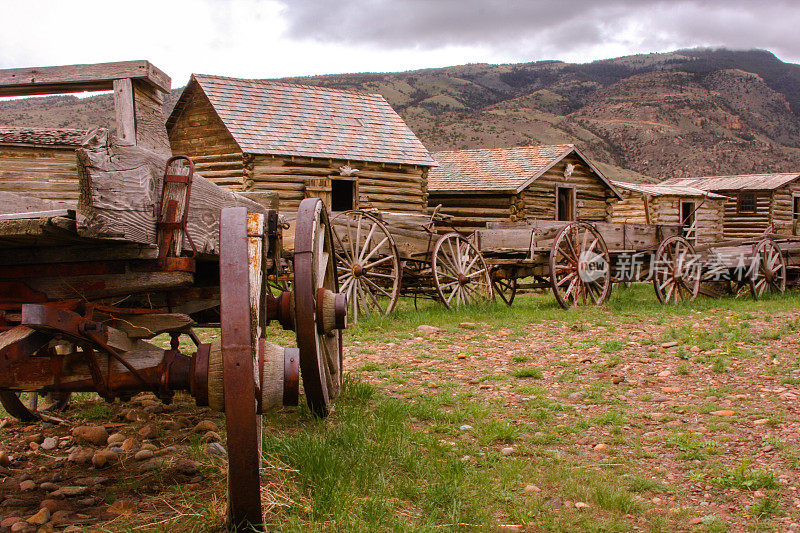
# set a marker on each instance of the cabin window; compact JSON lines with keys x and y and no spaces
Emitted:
{"x":343,"y":195}
{"x":565,"y":203}
{"x":795,"y":207}
{"x":746,"y":203}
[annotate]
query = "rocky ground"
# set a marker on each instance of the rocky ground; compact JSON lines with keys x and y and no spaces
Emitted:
{"x":631,"y":417}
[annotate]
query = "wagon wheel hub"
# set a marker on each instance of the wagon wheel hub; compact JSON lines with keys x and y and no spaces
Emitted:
{"x":462,"y":279}
{"x":359,"y":271}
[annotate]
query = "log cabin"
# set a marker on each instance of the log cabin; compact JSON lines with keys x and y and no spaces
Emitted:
{"x":41,"y":162}
{"x":755,"y":202}
{"x":553,"y":182}
{"x":699,"y":212}
{"x":263,"y":137}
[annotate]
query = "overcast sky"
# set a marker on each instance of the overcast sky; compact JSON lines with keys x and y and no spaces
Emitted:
{"x":273,"y":38}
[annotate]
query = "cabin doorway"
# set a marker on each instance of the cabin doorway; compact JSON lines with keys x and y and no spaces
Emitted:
{"x":565,"y":203}
{"x":687,"y":220}
{"x":343,"y":195}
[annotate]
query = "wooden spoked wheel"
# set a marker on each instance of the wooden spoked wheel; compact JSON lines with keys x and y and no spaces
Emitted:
{"x":506,"y":288}
{"x":315,"y":277}
{"x":239,"y":363}
{"x":580,"y":266}
{"x":677,"y":271}
{"x":459,"y":272}
{"x":768,"y":268}
{"x":368,"y":265}
{"x":25,"y":406}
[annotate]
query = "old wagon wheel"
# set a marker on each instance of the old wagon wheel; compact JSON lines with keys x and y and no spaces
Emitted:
{"x":677,"y":272}
{"x":239,"y":376}
{"x":768,"y":269}
{"x":368,"y":265}
{"x":459,"y":272}
{"x":26,"y":409}
{"x":319,"y":339}
{"x":580,"y":266}
{"x":506,"y":288}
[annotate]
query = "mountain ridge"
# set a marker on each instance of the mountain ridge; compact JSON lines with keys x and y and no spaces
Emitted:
{"x":643,"y":117}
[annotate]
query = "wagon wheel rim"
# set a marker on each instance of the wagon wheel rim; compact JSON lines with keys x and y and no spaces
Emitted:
{"x":315,"y":269}
{"x":368,"y":264}
{"x":580,"y":266}
{"x":677,"y":274}
{"x":506,"y":288}
{"x":768,"y":270}
{"x":239,"y":374}
{"x":460,"y":273}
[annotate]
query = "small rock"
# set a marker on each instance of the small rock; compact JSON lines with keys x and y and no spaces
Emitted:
{"x":48,"y":486}
{"x":425,"y":329}
{"x":122,"y":506}
{"x":466,"y":459}
{"x":27,"y":485}
{"x":187,"y":467}
{"x":40,"y":518}
{"x":664,"y":373}
{"x":5,"y":460}
{"x":532,"y":488}
{"x":215,"y":448}
{"x":211,"y":436}
{"x":103,"y":458}
{"x":465,"y":427}
{"x":36,"y":437}
{"x":116,"y":437}
{"x":695,"y":349}
{"x":761,"y":421}
{"x":508,"y":450}
{"x":148,"y":431}
{"x":204,"y":426}
{"x":504,"y":332}
{"x":127,"y":445}
{"x":59,"y":518}
{"x":68,"y":492}
{"x":49,"y":443}
{"x":96,"y":435}
{"x":86,"y":502}
{"x":432,"y":385}
{"x":581,"y":505}
{"x":143,"y":455}
{"x":20,"y":527}
{"x":148,"y":446}
{"x":723,"y":412}
{"x":468,"y":325}
{"x":50,"y":505}
{"x":600,"y":447}
{"x":576,"y":396}
{"x":73,"y":529}
{"x":10,"y":521}
{"x":33,"y":446}
{"x":670,"y":344}
{"x":135,"y":415}
{"x":509,"y":528}
{"x":616,"y":380}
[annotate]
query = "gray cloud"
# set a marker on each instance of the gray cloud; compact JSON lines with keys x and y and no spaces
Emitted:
{"x":544,"y":28}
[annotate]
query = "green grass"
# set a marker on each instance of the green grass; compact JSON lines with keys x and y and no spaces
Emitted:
{"x":529,"y":372}
{"x":690,"y":448}
{"x":743,"y":477}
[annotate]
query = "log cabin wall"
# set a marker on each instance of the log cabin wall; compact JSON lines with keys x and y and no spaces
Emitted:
{"x":630,"y":209}
{"x":473,"y":211}
{"x":592,"y":201}
{"x":708,"y":216}
{"x":199,"y":133}
{"x":782,"y":209}
{"x":148,"y":103}
{"x":46,"y":172}
{"x":739,"y":225}
{"x":384,"y":186}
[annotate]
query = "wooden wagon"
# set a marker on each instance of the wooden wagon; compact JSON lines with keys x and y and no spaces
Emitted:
{"x":152,"y":248}
{"x":383,"y":255}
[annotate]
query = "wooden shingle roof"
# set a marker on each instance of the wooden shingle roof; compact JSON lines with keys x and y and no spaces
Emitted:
{"x":499,"y":169}
{"x":741,"y":182}
{"x":666,"y":190}
{"x":276,"y":118}
{"x":41,"y":136}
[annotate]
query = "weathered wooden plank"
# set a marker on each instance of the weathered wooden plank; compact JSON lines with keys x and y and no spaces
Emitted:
{"x":77,"y":78}
{"x":120,"y":188}
{"x":123,"y":110}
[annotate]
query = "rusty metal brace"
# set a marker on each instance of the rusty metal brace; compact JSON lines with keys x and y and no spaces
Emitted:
{"x":166,"y":221}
